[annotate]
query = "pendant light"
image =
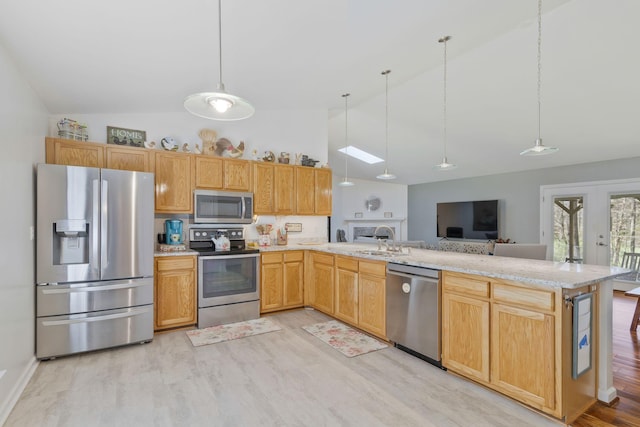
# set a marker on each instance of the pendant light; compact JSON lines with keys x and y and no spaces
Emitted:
{"x":345,"y":182}
{"x":538,"y":149}
{"x":218,"y":105}
{"x":444,"y":165}
{"x":386,"y":174}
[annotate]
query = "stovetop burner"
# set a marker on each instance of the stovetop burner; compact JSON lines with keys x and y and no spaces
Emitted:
{"x":211,"y":252}
{"x":200,"y":240}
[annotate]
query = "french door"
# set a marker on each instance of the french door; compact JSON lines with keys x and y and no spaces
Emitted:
{"x":591,"y":223}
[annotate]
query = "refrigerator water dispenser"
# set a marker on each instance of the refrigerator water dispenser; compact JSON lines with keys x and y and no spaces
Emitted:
{"x":70,"y":242}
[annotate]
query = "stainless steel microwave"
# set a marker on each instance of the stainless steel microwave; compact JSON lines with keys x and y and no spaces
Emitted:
{"x":222,"y":207}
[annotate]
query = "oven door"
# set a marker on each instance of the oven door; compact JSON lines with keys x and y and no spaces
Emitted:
{"x":228,"y":279}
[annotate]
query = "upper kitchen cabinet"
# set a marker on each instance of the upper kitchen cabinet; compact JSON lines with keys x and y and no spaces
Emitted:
{"x":209,"y":172}
{"x":174,"y":182}
{"x":263,"y":188}
{"x":237,"y":175}
{"x":273,"y":188}
{"x":313,"y":191}
{"x":129,"y":158}
{"x":74,"y":153}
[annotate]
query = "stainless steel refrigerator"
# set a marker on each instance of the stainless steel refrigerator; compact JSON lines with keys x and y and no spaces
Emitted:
{"x":94,"y":259}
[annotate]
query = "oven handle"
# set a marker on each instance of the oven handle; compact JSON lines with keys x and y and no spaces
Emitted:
{"x":205,"y":257}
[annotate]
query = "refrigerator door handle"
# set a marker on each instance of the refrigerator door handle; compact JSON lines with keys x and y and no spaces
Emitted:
{"x":95,"y":229}
{"x":104,"y":223}
{"x":100,"y":288}
{"x":132,"y":312}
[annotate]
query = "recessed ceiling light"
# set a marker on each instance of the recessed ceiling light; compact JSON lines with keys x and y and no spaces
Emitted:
{"x":360,"y":155}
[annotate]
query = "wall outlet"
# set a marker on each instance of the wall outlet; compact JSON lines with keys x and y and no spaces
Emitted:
{"x":2,"y":373}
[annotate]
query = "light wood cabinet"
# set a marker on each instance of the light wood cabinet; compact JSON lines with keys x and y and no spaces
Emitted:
{"x":285,"y":190}
{"x":516,"y":339}
{"x":209,"y":172}
{"x":174,"y":182}
{"x":321,"y":282}
{"x":237,"y":175}
{"x":74,"y":153}
{"x":130,"y":159}
{"x":305,"y":191}
{"x":282,"y":279}
{"x":313,"y":191}
{"x":322,"y":191}
{"x":263,"y":188}
{"x":346,"y":289}
{"x":372,"y":305}
{"x":175,"y":292}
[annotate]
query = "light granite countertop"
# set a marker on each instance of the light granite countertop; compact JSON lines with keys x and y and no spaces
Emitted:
{"x":534,"y":272}
{"x":174,"y":253}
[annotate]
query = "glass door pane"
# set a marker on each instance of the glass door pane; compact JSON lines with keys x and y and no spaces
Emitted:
{"x":624,"y":226}
{"x":568,"y":229}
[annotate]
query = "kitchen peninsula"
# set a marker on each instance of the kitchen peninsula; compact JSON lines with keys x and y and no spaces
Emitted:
{"x":507,"y":322}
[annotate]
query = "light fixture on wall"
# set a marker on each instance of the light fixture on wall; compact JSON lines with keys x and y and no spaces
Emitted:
{"x":444,"y":165}
{"x":386,"y":174}
{"x":345,"y":182}
{"x":218,"y":105}
{"x":538,"y":149}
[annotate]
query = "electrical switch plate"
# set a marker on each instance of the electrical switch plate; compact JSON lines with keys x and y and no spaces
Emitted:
{"x":2,"y":373}
{"x":295,"y":227}
{"x":32,"y":233}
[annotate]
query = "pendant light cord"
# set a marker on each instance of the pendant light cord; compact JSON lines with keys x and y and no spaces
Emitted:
{"x":386,"y":118}
{"x":220,"y":41}
{"x":444,"y":103}
{"x":346,"y":139}
{"x":539,"y":63}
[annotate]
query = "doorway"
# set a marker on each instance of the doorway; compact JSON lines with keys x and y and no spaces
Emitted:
{"x":591,"y":223}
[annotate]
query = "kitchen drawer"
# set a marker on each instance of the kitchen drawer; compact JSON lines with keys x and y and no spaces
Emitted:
{"x":465,"y":284}
{"x":347,"y":263}
{"x":271,"y":257}
{"x":524,"y":297}
{"x":292,"y":256}
{"x":176,"y":263}
{"x":374,"y":268}
{"x":320,"y":258}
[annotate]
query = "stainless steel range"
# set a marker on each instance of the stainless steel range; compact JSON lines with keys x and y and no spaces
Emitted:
{"x":228,"y":281}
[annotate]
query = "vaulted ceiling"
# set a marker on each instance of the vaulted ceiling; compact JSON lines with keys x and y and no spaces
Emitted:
{"x":147,"y":55}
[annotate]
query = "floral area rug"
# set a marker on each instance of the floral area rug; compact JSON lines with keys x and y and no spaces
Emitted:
{"x":346,"y":340}
{"x":232,"y":331}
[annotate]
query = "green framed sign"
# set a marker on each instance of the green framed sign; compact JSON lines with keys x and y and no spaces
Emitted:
{"x":122,"y":136}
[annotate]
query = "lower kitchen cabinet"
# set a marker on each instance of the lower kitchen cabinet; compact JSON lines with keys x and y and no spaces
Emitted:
{"x":175,"y":293}
{"x":320,"y":282}
{"x":372,"y":306}
{"x":282,"y":279}
{"x":346,"y":288}
{"x":516,"y":339}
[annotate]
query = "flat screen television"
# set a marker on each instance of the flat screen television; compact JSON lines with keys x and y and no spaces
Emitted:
{"x":468,"y":220}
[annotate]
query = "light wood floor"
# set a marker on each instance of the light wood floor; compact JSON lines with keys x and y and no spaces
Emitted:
{"x":283,"y":378}
{"x":626,"y":372}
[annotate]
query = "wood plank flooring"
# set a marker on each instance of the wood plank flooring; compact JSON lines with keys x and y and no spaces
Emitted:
{"x":626,"y":372}
{"x":290,"y":378}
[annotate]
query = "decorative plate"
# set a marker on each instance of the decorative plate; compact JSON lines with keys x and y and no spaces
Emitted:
{"x":372,"y":204}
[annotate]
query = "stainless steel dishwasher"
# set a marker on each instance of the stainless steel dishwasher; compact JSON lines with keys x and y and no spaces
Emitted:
{"x":413,"y":311}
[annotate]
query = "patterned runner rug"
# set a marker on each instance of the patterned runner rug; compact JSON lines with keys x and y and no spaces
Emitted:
{"x":346,"y":340}
{"x":232,"y":331}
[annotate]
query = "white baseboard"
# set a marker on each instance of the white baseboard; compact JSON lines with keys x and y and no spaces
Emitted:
{"x":7,"y":406}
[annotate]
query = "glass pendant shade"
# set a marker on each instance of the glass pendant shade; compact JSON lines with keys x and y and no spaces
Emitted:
{"x":346,"y":183}
{"x":538,"y":149}
{"x":386,"y":175}
{"x":218,"y":105}
{"x":445,"y":165}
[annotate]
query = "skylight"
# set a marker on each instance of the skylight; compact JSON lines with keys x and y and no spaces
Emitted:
{"x":360,"y":155}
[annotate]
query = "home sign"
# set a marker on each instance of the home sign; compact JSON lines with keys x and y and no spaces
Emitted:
{"x":121,"y":136}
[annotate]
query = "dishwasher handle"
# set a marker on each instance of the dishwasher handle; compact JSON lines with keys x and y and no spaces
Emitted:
{"x":412,"y":271}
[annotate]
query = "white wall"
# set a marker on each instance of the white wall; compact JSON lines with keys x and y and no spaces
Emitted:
{"x":347,"y":201}
{"x":293,"y":131}
{"x":518,"y":194}
{"x":23,"y":125}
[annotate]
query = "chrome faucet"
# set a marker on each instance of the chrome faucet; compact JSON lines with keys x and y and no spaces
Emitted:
{"x":393,"y":236}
